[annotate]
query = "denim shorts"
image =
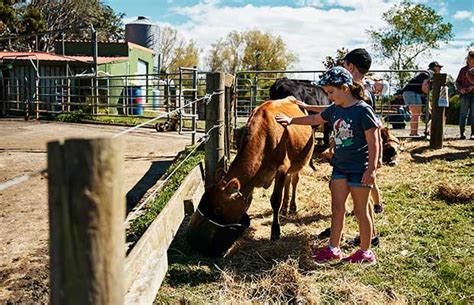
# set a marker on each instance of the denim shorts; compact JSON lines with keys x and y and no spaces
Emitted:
{"x":353,"y":179}
{"x":412,"y":98}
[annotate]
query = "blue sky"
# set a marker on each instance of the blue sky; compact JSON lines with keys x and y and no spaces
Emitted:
{"x":310,"y":28}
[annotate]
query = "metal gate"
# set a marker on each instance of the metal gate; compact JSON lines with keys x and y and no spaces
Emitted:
{"x":252,"y":88}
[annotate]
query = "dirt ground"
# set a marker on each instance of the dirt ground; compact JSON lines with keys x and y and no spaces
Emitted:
{"x":24,"y":233}
{"x":24,"y":236}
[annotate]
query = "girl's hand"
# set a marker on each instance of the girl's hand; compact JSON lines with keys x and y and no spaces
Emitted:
{"x":369,"y":177}
{"x":283,"y":119}
{"x":298,"y":102}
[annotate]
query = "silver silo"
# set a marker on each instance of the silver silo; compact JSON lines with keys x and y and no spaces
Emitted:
{"x":145,"y":33}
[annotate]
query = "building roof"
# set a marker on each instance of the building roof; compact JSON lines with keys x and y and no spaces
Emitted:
{"x":43,"y":56}
{"x":137,"y":46}
{"x":130,"y":44}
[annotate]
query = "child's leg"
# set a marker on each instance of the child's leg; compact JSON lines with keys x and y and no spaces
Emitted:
{"x":339,"y":194}
{"x":376,"y":200}
{"x":371,"y":215}
{"x":360,"y":196}
{"x":375,"y":194}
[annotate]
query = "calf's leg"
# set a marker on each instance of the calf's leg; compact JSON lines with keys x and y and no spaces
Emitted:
{"x":286,"y":195}
{"x":276,"y":203}
{"x":294,"y":182}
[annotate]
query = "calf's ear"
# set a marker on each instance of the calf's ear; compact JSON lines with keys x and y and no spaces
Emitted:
{"x":232,"y":187}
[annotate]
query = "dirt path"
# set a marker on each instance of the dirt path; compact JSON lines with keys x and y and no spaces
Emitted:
{"x":24,"y":207}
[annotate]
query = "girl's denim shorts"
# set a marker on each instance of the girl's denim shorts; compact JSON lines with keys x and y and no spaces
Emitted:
{"x":353,"y":179}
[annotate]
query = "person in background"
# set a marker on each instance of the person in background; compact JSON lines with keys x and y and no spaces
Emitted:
{"x":358,"y":62}
{"x":466,"y":100}
{"x":415,"y":91}
{"x":354,"y":161}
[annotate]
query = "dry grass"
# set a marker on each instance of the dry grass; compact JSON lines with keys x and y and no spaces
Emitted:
{"x":423,"y":255}
{"x":454,"y":193}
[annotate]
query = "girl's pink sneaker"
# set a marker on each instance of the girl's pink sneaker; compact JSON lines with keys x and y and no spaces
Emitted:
{"x":360,"y":256}
{"x":325,"y":255}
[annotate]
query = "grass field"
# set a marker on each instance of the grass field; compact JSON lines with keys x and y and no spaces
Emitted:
{"x":425,"y":254}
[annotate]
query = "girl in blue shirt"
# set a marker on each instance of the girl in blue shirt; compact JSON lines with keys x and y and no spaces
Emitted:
{"x":354,"y":161}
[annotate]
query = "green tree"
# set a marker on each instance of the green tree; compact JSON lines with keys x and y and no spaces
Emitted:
{"x":176,"y":51}
{"x":250,"y":50}
{"x":338,"y":60}
{"x":187,"y":56}
{"x":412,"y":31}
{"x":25,"y":17}
{"x":17,"y":18}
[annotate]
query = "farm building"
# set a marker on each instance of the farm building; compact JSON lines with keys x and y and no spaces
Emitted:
{"x":50,"y":78}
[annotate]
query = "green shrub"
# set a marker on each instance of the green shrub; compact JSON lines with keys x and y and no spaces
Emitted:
{"x":73,"y":117}
{"x":452,"y":112}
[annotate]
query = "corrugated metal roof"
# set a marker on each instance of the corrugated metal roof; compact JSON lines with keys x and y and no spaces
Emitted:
{"x":55,"y":57}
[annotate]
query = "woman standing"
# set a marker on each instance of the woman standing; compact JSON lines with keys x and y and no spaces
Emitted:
{"x":466,"y":100}
{"x":414,"y":93}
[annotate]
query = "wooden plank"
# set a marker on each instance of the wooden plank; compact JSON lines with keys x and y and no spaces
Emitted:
{"x":437,"y":113}
{"x":229,"y":80}
{"x":147,"y":263}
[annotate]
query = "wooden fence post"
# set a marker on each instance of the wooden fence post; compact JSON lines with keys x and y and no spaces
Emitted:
{"x":86,"y":219}
{"x":437,"y":113}
{"x":229,"y":122}
{"x":215,"y":83}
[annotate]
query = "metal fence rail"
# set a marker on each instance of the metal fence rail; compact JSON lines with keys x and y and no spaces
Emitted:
{"x":118,"y":95}
{"x":252,"y":88}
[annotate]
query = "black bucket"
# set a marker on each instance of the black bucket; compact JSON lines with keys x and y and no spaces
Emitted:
{"x":211,"y":238}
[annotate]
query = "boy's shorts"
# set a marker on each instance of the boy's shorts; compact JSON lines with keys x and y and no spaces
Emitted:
{"x":353,"y":179}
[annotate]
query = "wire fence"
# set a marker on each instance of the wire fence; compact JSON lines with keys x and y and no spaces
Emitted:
{"x":20,"y":179}
{"x":252,"y":88}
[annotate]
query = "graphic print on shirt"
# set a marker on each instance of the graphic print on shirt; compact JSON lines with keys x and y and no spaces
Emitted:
{"x":343,"y":133}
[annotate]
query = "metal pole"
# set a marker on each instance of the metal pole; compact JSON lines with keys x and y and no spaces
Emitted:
{"x":96,"y":67}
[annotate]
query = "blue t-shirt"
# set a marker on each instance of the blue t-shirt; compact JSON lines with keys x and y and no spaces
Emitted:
{"x":351,"y":153}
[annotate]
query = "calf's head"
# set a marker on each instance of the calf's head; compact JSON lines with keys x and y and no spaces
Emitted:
{"x":220,"y":219}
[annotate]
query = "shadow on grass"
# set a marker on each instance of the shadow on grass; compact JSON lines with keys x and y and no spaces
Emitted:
{"x":249,"y":256}
{"x":156,"y":170}
{"x":464,"y":152}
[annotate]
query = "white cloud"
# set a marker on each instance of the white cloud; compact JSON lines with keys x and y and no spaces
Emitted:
{"x":310,"y":32}
{"x":461,"y":15}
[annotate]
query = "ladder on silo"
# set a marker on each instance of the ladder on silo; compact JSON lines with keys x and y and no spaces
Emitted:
{"x":185,"y":96}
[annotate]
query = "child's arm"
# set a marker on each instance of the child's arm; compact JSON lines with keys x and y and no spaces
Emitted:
{"x":314,"y":119}
{"x":371,"y":135}
{"x":315,"y":108}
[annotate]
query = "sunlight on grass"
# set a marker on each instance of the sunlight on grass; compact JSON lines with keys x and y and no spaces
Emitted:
{"x":425,"y":255}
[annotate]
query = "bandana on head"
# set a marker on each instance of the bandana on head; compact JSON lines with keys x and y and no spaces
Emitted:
{"x":336,"y":76}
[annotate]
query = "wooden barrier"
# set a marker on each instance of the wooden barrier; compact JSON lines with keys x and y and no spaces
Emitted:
{"x":215,"y":147}
{"x":147,"y":263}
{"x":87,"y":209}
{"x":437,"y":113}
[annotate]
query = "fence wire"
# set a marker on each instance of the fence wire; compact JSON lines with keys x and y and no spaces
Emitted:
{"x":17,"y":180}
{"x":203,"y":139}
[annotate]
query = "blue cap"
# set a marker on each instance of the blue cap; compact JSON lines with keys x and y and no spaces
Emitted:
{"x":336,"y":76}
